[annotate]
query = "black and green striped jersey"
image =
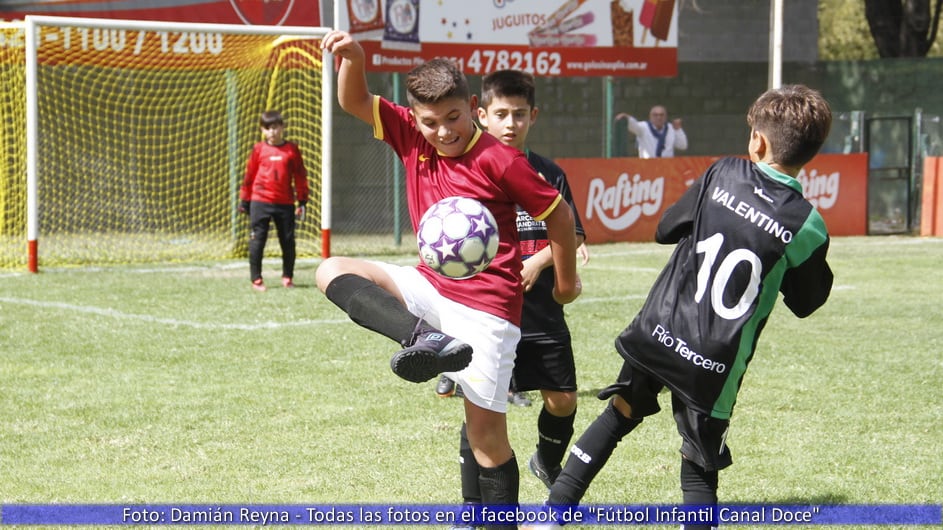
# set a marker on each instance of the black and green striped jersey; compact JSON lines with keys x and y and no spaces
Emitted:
{"x":744,"y":233}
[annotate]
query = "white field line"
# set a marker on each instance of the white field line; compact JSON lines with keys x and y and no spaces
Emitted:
{"x":111,"y":313}
{"x":226,"y":266}
{"x":602,"y":299}
{"x":626,"y":268}
{"x":167,"y":321}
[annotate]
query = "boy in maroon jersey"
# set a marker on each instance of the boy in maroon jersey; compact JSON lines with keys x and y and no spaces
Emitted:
{"x":441,"y":321}
{"x":544,"y":358}
{"x":267,"y":195}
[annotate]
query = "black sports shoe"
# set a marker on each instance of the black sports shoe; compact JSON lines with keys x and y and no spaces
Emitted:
{"x":432,"y":353}
{"x":445,"y":387}
{"x":547,"y":476}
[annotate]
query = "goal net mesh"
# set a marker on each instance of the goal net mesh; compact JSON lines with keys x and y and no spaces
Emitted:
{"x":13,"y":250}
{"x":143,"y":138}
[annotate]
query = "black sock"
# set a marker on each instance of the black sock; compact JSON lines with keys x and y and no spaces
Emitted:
{"x":471,"y":489}
{"x":589,"y":455}
{"x":372,"y":307}
{"x":499,"y":487}
{"x":553,"y":437}
{"x":698,"y":487}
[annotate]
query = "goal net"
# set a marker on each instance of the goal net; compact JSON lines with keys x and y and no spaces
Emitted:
{"x":13,"y":143}
{"x":138,"y":134}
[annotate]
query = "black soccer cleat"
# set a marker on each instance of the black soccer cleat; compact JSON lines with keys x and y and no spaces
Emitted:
{"x":445,"y":387}
{"x":432,"y":353}
{"x":547,"y":476}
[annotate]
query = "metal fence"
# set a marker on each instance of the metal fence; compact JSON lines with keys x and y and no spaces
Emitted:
{"x":370,"y":205}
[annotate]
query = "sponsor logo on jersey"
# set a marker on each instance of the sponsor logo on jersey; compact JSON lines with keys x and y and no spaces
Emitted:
{"x":758,"y":191}
{"x":620,"y":206}
{"x":680,"y":346}
{"x":527,"y":223}
{"x":531,"y":247}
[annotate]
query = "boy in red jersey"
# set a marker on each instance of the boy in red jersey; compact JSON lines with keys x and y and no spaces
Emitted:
{"x":441,"y":321}
{"x":267,"y":195}
{"x":544,"y":358}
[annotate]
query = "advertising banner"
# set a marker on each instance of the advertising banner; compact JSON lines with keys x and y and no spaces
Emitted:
{"x":255,"y":12}
{"x":622,"y":199}
{"x":635,"y":38}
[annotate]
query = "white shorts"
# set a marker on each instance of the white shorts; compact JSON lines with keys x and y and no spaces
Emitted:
{"x":493,"y":339}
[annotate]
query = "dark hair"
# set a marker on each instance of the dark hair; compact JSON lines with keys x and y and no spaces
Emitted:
{"x":795,"y":119}
{"x":434,"y":81}
{"x":271,"y":117}
{"x":508,"y":84}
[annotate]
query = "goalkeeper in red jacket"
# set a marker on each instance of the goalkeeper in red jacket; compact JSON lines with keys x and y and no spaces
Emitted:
{"x":275,"y":177}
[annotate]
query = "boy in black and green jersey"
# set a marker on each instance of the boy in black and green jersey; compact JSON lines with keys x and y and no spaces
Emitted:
{"x":744,"y":233}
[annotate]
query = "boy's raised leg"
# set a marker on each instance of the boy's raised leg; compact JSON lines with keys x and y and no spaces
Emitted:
{"x":427,"y":351}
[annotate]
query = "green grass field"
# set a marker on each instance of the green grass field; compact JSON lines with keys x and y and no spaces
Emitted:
{"x":179,"y":384}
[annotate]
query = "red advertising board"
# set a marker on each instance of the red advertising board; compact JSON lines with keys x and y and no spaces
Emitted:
{"x":626,"y":38}
{"x":622,"y":199}
{"x":260,"y":12}
{"x":545,"y":62}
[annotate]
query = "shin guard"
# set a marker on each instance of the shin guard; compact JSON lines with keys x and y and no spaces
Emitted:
{"x":589,"y":454}
{"x":499,"y":487}
{"x":554,"y":435}
{"x":698,"y":487}
{"x":471,"y":489}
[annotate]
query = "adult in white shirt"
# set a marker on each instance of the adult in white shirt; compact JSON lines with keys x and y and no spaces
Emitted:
{"x":654,"y":138}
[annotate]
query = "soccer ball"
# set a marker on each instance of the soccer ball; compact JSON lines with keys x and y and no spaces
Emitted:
{"x":457,"y":237}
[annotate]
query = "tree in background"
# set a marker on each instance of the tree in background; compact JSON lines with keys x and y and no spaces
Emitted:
{"x":845,"y":32}
{"x":902,"y":28}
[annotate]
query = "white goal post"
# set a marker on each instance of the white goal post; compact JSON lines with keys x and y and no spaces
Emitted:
{"x":120,"y":125}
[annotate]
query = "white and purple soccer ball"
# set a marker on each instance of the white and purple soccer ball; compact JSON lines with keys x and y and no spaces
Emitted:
{"x":458,"y":237}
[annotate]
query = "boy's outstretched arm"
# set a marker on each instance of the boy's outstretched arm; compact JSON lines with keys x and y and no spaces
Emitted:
{"x":562,"y":235}
{"x":353,"y":94}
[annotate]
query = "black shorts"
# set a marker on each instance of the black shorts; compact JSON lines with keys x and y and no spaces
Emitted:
{"x":545,"y":363}
{"x":261,"y":214}
{"x":703,"y":438}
